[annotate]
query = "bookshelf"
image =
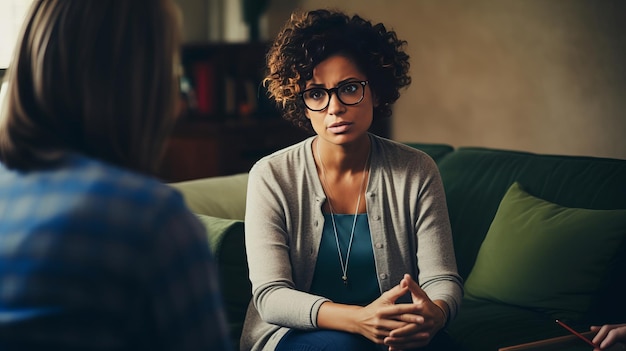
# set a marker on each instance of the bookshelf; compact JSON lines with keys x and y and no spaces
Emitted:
{"x":226,"y":81}
{"x":226,"y":122}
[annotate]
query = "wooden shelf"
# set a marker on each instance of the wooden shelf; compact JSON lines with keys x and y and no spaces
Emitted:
{"x":199,"y":149}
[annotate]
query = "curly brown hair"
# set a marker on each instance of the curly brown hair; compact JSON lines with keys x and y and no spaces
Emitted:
{"x":309,"y":38}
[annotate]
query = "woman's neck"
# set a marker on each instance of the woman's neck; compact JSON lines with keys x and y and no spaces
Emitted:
{"x":342,"y":159}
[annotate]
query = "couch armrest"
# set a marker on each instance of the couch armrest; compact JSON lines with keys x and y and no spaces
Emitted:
{"x":222,"y":197}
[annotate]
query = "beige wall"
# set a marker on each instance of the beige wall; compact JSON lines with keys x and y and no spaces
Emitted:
{"x":543,"y":76}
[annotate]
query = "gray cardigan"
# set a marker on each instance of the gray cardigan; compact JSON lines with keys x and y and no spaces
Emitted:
{"x":408,"y":219}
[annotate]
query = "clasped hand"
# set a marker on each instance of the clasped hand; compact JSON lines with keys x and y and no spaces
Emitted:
{"x":401,"y":326}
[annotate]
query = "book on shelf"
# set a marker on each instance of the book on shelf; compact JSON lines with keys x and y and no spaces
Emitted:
{"x":204,"y":77}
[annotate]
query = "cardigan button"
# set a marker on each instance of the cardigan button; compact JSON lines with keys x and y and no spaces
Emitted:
{"x":383,"y":276}
{"x":379,"y":245}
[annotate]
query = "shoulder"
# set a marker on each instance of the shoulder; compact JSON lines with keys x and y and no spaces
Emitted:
{"x":103,"y":196}
{"x":284,"y":161}
{"x":112,"y":212}
{"x":117,"y":185}
{"x":135,"y":210}
{"x":275,"y":175}
{"x":400,"y":154}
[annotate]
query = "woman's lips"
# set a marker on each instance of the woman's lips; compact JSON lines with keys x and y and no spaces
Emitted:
{"x":339,"y":128}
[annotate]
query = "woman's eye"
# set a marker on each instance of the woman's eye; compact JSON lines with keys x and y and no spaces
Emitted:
{"x":349,"y":88}
{"x":315,"y":94}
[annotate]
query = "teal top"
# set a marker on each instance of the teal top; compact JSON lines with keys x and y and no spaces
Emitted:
{"x":362,"y":284}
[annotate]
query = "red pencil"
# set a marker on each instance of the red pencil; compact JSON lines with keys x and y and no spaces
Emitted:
{"x":576,"y":333}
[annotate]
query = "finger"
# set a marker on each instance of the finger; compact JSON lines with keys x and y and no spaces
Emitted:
{"x":608,"y":341}
{"x":410,"y":318}
{"x":389,"y":325}
{"x":407,"y":330}
{"x":414,"y":287}
{"x":404,"y":340}
{"x":394,"y":293}
{"x":397,"y":309}
{"x":407,"y":343}
{"x":406,"y":311}
{"x":614,"y":334}
{"x":601,"y":335}
{"x":597,"y":339}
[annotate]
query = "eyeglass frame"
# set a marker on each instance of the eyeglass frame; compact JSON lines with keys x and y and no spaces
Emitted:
{"x":335,"y":90}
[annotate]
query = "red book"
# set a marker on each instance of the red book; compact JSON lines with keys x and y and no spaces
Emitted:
{"x":204,"y":74}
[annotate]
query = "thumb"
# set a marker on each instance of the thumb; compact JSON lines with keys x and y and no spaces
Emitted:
{"x":416,"y":291}
{"x":394,"y":293}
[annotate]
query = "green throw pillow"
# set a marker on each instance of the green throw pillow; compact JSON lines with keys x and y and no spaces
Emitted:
{"x":546,"y":257}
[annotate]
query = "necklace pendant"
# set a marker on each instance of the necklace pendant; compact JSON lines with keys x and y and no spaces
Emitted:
{"x":345,"y":280}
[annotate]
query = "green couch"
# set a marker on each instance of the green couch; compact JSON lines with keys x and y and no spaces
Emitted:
{"x":555,"y":248}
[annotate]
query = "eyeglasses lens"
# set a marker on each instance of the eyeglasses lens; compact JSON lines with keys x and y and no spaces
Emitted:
{"x":350,"y":93}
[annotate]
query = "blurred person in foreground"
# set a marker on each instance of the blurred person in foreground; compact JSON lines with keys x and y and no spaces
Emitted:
{"x":95,"y":253}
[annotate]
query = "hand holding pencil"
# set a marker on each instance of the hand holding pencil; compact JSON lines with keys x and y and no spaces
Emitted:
{"x":608,"y":335}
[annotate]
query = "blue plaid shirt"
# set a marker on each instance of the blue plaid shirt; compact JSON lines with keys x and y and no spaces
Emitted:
{"x":93,"y":257}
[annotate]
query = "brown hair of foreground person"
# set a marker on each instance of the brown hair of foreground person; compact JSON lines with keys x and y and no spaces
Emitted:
{"x":113,"y":98}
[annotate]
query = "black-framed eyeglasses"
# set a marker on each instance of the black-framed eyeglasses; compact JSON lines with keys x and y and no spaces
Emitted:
{"x":348,"y":93}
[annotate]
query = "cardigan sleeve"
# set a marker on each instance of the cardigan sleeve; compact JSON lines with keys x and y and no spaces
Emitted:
{"x":435,"y":250}
{"x":269,"y":247}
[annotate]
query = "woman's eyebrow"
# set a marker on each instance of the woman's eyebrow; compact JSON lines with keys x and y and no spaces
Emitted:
{"x":320,"y":85}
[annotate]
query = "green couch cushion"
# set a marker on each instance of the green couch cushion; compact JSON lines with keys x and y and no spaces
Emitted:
{"x":223,"y":197}
{"x":543,"y":256}
{"x":226,"y":238}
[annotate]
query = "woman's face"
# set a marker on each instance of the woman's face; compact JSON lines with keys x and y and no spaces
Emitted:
{"x":339,"y":123}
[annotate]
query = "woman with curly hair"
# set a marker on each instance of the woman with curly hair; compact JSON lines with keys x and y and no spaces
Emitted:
{"x":347,"y":233}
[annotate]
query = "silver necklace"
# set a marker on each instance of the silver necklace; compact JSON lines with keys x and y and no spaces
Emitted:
{"x":344,"y":267}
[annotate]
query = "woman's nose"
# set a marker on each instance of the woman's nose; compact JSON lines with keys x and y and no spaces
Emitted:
{"x":335,"y":106}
